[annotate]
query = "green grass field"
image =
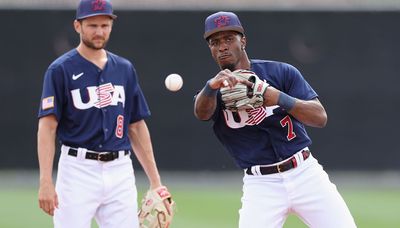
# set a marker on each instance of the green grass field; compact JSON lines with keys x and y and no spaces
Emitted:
{"x":211,"y":208}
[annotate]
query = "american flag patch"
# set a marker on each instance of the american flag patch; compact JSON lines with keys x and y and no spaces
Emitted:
{"x":48,"y":102}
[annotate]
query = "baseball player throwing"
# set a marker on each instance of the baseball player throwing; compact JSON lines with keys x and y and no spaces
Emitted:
{"x":259,"y":109}
{"x":92,"y":102}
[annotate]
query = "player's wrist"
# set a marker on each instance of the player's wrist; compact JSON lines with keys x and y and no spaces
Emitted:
{"x":208,"y":91}
{"x":285,"y":101}
{"x":46,"y":179}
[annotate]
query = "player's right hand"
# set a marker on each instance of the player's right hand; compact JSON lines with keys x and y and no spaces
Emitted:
{"x":48,"y":200}
{"x":224,"y":78}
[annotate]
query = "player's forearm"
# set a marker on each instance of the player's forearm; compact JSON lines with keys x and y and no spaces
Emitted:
{"x":310,"y":113}
{"x":206,"y":102}
{"x":141,"y":143}
{"x":204,"y":106}
{"x":147,"y":161}
{"x":46,"y":149}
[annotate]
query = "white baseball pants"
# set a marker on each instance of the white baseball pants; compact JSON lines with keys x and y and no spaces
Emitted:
{"x":305,"y":191}
{"x":90,"y":189}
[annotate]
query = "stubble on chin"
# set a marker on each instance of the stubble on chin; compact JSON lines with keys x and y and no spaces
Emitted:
{"x":91,"y":45}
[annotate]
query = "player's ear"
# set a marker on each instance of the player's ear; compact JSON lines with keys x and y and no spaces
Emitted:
{"x":243,"y":41}
{"x":77,"y":26}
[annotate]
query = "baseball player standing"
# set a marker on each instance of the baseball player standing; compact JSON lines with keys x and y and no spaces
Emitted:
{"x":269,"y":142}
{"x":92,"y":102}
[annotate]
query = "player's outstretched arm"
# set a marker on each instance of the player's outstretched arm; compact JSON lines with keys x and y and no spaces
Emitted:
{"x":46,"y":149}
{"x":141,"y":143}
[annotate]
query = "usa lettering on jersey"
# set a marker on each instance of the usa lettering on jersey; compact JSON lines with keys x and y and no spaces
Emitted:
{"x":99,"y":96}
{"x":248,"y":117}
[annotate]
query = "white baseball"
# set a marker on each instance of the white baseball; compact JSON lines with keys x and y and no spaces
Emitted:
{"x":173,"y":82}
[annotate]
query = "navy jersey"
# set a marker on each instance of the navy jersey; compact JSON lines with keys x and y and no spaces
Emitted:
{"x":265,"y":135}
{"x":93,"y":106}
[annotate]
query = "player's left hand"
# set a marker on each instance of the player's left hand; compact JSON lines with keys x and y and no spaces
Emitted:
{"x":157,"y":209}
{"x":248,"y":94}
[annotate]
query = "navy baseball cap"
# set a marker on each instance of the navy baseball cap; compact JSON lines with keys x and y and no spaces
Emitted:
{"x":90,"y":8}
{"x":222,"y":21}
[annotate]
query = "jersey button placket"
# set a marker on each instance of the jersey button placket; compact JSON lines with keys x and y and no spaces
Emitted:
{"x":105,"y":125}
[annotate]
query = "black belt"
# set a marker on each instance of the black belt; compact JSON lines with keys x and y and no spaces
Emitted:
{"x":287,"y":165}
{"x":99,"y":156}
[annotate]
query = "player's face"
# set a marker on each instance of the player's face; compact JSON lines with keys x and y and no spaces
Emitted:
{"x":95,"y":31}
{"x":226,"y":49}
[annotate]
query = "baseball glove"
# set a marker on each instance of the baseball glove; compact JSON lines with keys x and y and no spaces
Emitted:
{"x":154,"y":213}
{"x":241,"y":96}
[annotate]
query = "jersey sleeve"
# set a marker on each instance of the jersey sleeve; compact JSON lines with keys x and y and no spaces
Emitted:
{"x":52,"y":94}
{"x":295,"y":85}
{"x":140,"y":109}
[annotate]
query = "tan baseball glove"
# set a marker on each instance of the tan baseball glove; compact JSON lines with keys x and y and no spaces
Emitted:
{"x":157,"y":209}
{"x":241,"y":96}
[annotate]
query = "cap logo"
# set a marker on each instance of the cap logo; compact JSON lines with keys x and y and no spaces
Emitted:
{"x":98,"y":5}
{"x":222,"y":21}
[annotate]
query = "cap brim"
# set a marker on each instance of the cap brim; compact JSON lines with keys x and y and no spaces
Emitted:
{"x":227,"y":28}
{"x":98,"y":14}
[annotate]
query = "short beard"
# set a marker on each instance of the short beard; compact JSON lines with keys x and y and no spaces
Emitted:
{"x":229,"y":66}
{"x":92,"y":46}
